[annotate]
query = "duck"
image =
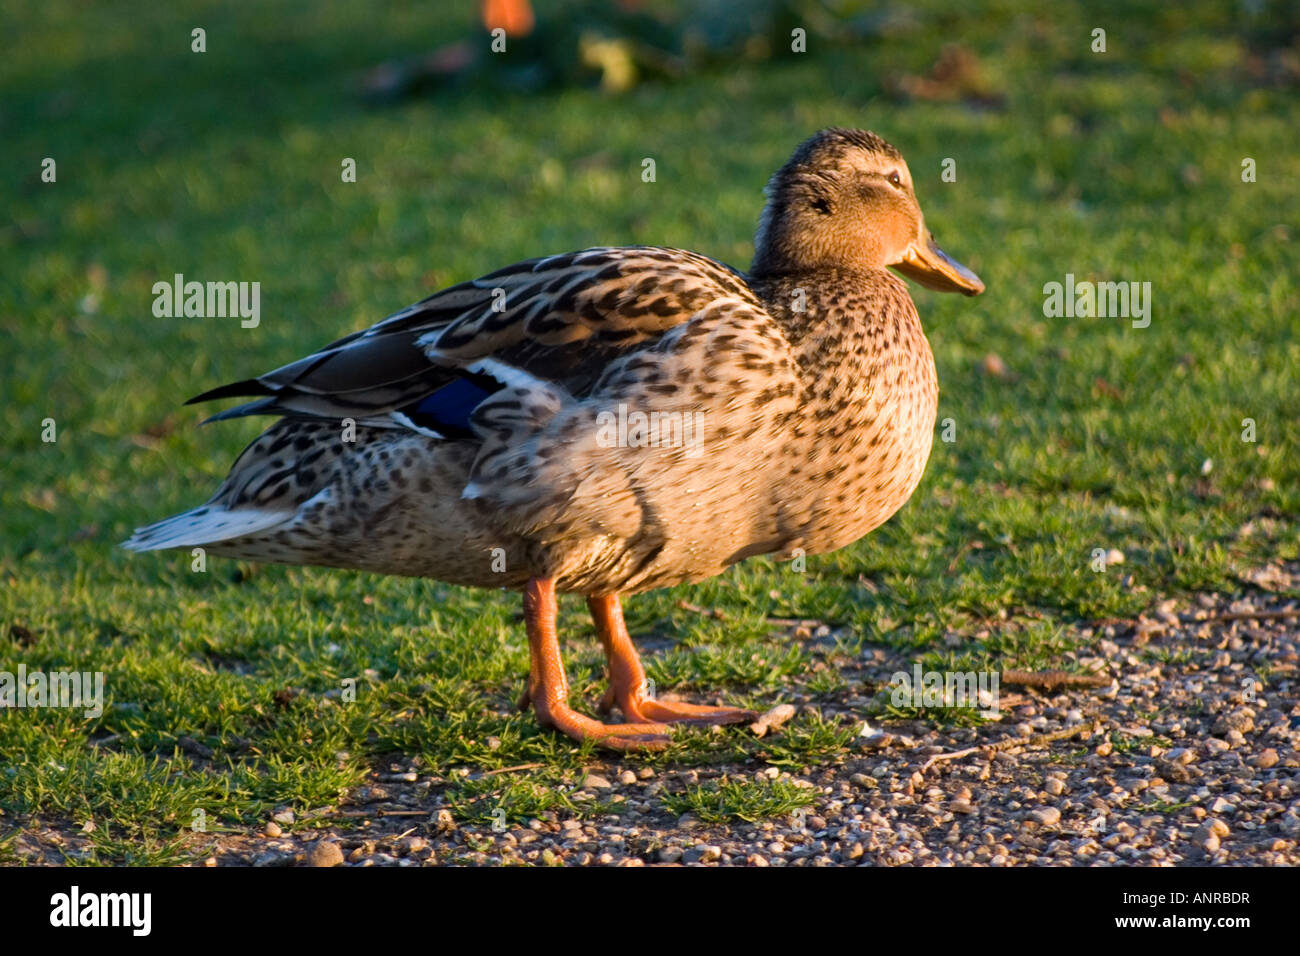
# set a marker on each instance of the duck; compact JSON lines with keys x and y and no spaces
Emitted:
{"x":611,"y":421}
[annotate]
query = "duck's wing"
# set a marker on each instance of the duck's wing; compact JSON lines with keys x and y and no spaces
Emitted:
{"x":562,"y":319}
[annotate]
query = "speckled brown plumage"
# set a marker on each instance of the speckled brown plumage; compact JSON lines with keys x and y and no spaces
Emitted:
{"x":809,"y":384}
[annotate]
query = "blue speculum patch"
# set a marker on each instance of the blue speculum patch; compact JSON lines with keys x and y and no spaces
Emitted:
{"x":447,"y":410}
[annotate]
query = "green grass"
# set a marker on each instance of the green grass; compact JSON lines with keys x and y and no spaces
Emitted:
{"x":225,"y":165}
{"x":747,"y":800}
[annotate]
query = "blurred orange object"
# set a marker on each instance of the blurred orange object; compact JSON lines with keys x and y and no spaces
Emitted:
{"x":513,"y":16}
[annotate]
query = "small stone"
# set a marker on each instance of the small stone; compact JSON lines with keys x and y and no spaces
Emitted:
{"x":1264,"y":759}
{"x":773,"y":719}
{"x":272,"y":829}
{"x":1218,"y":827}
{"x":1054,"y":786}
{"x":1114,"y":556}
{"x":1104,"y":748}
{"x":961,"y":806}
{"x":444,"y":821}
{"x":1208,"y":839}
{"x":1221,"y":805}
{"x":1045,"y":816}
{"x":755,"y":859}
{"x":324,"y":853}
{"x":626,"y":777}
{"x":670,"y":854}
{"x":1240,"y":720}
{"x":594,"y":781}
{"x":702,"y":854}
{"x":284,"y":816}
{"x":1180,"y":756}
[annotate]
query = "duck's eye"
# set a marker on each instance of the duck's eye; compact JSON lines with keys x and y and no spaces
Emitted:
{"x":895,"y":179}
{"x":822,"y":206}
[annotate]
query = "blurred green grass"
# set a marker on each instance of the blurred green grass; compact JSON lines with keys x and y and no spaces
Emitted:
{"x":225,"y":165}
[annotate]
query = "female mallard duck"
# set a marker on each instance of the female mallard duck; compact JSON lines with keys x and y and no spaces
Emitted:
{"x":610,"y":421}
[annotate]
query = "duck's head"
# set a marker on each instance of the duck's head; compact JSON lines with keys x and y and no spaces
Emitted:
{"x":844,"y":200}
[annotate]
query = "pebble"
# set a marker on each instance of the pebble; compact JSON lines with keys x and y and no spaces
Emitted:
{"x":594,"y":781}
{"x":284,"y":816}
{"x":1045,"y":816}
{"x":1264,"y":759}
{"x":1240,"y":720}
{"x":324,"y":853}
{"x":772,"y":720}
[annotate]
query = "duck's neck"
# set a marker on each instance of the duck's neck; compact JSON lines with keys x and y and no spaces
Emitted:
{"x":851,"y":324}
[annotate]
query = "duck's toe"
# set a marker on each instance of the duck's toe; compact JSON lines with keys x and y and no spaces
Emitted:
{"x":637,"y":736}
{"x":676,"y":712}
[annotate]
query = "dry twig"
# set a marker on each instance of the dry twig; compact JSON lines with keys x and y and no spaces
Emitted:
{"x":1050,"y":680}
{"x":1033,"y":740}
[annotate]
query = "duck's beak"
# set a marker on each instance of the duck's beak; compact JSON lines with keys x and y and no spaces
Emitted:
{"x":929,"y":265}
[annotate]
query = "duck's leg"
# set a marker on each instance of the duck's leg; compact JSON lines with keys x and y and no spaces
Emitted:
{"x":627,"y":684}
{"x":548,"y":686}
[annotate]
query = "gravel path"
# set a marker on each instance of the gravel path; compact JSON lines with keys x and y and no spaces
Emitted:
{"x":1184,"y":757}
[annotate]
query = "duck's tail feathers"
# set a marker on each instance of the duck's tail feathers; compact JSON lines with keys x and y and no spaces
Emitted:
{"x":206,"y":525}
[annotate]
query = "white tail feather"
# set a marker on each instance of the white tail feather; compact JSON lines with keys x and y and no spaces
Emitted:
{"x":202,"y":526}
